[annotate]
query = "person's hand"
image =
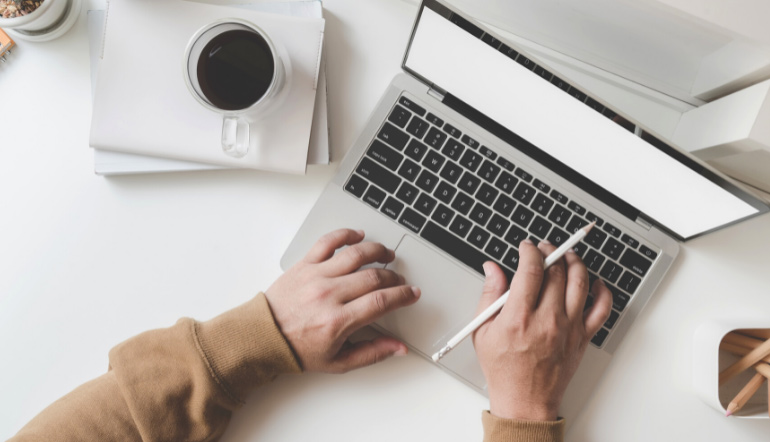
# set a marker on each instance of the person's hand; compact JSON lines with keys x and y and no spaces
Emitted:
{"x":324,"y":298}
{"x":531,"y":349}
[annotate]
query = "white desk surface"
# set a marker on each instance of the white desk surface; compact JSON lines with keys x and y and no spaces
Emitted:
{"x":86,"y":262}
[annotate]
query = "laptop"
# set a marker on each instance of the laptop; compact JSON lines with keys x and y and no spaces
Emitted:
{"x":476,"y":146}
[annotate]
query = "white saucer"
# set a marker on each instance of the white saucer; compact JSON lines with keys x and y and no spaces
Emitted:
{"x":57,"y":30}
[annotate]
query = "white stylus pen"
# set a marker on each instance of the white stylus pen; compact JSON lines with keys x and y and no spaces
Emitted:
{"x":497,"y":305}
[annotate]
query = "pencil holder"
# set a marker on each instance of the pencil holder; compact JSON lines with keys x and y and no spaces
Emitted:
{"x":709,"y":361}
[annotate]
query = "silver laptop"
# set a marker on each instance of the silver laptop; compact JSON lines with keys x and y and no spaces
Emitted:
{"x":477,"y":146}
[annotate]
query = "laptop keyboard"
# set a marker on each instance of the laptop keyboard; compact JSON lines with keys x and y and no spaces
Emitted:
{"x":477,"y":206}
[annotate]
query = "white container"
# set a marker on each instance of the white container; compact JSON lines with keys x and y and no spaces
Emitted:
{"x":709,"y":361}
{"x":51,"y":20}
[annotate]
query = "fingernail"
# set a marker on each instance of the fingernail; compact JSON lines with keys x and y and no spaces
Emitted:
{"x":403,"y":351}
{"x":571,"y":251}
{"x":485,"y":268}
{"x":417,"y":292}
{"x":360,"y":232}
{"x":545,"y":241}
{"x":528,"y":241}
{"x":601,"y":283}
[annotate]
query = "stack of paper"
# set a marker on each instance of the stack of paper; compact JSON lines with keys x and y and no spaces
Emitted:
{"x":145,"y":119}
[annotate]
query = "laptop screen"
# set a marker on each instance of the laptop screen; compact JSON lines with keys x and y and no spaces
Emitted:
{"x":633,"y":174}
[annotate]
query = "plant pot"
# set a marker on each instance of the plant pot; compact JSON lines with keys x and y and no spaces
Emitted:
{"x":50,"y":20}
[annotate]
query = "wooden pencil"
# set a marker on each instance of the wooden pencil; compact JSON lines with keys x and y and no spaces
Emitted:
{"x":759,"y":333}
{"x":739,"y":350}
{"x":745,"y":394}
{"x":764,"y":370}
{"x":742,"y":340}
{"x":745,"y":362}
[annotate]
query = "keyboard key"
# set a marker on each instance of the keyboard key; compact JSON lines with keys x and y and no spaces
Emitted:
{"x":415,"y":150}
{"x":541,"y":186}
{"x":560,"y":215}
{"x":455,"y":247}
{"x":498,"y":225}
{"x":505,"y":164}
{"x":504,"y":205}
{"x":469,"y":183}
{"x":473,"y":144}
{"x":592,"y":217}
{"x":580,"y":249}
{"x":540,"y":227}
{"x":487,"y":194}
{"x":426,"y":181}
{"x":435,"y":138}
{"x":393,"y":136}
{"x":412,"y":106}
{"x":512,"y":258}
{"x":599,"y":337}
{"x":399,"y":116}
{"x":384,"y":155}
{"x":630,"y":242}
{"x":425,"y":204}
{"x":558,"y":236}
{"x":595,"y":105}
{"x":629,"y":282}
{"x":488,"y":171}
{"x":356,"y":185}
{"x":524,"y":193}
{"x":526,"y":62}
{"x":619,"y":299}
{"x":374,"y":197}
{"x":451,"y":172}
{"x":478,"y":237}
{"x":460,"y":226}
{"x":433,"y":161}
{"x":378,"y":175}
{"x":453,"y":149}
{"x":451,"y":130}
{"x":612,"y":230}
{"x":471,"y":160}
{"x":506,"y":182}
{"x":580,"y":96}
{"x":392,"y":207}
{"x":539,"y":70}
{"x":542,"y":204}
{"x":492,"y":41}
{"x":412,"y":220}
{"x":561,"y":84}
{"x":522,"y":216}
{"x":613,"y":249}
{"x":496,"y":248}
{"x":523,"y":174}
{"x":515,"y":236}
{"x":575,"y":224}
{"x":444,"y":192}
{"x":577,"y":208}
{"x":443,"y":215}
{"x":409,"y":170}
{"x":417,"y":127}
{"x":595,"y":238}
{"x":435,"y":120}
{"x":559,"y":197}
{"x":648,"y":252}
{"x":462,"y":203}
{"x":484,"y":150}
{"x":480,"y":214}
{"x":593,"y":260}
{"x":407,"y":193}
{"x":510,"y":52}
{"x":611,"y":272}
{"x":635,"y":262}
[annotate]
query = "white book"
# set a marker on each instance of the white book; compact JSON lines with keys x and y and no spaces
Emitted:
{"x":142,"y":106}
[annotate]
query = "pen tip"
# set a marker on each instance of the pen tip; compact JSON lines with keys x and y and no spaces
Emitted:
{"x":589,"y":227}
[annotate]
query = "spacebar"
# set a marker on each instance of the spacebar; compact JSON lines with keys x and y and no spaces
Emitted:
{"x":456,"y":247}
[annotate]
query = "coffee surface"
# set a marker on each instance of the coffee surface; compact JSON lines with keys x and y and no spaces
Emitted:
{"x":235,"y":69}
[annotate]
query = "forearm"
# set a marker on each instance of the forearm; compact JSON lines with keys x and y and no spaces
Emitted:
{"x":512,"y":430}
{"x":178,"y":383}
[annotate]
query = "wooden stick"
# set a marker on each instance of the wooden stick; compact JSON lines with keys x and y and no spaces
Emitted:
{"x":759,"y":333}
{"x":745,"y":362}
{"x":739,"y":350}
{"x":742,"y":340}
{"x":764,"y":370}
{"x":745,"y":394}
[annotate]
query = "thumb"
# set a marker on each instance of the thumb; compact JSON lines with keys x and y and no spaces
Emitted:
{"x":364,"y":353}
{"x":495,"y":285}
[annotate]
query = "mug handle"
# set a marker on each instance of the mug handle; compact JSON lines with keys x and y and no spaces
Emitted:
{"x":235,"y":136}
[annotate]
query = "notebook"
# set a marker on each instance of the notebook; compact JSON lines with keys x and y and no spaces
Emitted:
{"x":478,"y":145}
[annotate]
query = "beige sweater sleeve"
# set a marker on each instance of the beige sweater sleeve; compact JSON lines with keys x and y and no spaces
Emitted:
{"x":183,"y":383}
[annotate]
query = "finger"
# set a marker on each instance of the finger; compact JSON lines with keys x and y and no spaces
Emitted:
{"x":357,"y":284}
{"x":577,"y":285}
{"x":325,"y":247}
{"x":370,"y":307}
{"x":495,"y":285}
{"x":525,"y":286}
{"x":555,"y":281}
{"x":356,"y":256}
{"x":364,"y":353}
{"x":597,"y":315}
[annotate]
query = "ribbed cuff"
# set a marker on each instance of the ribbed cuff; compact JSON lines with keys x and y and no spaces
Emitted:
{"x":497,"y":429}
{"x":244,"y":348}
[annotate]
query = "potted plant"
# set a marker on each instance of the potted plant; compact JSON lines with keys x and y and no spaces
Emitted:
{"x":38,"y":20}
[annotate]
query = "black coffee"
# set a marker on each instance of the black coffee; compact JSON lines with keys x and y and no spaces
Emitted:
{"x":235,"y":69}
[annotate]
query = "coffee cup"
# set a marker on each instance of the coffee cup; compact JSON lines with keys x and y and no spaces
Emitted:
{"x":233,"y":68}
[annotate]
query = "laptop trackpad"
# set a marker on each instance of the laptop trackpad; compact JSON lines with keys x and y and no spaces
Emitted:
{"x":450,"y":295}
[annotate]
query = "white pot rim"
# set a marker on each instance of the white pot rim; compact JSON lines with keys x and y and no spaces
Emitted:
{"x":21,"y":21}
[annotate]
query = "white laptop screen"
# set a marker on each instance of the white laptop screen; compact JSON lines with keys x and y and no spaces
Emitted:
{"x":681,"y":199}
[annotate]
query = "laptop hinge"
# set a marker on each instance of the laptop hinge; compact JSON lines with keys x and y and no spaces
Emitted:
{"x":643,"y":222}
{"x":436,"y":93}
